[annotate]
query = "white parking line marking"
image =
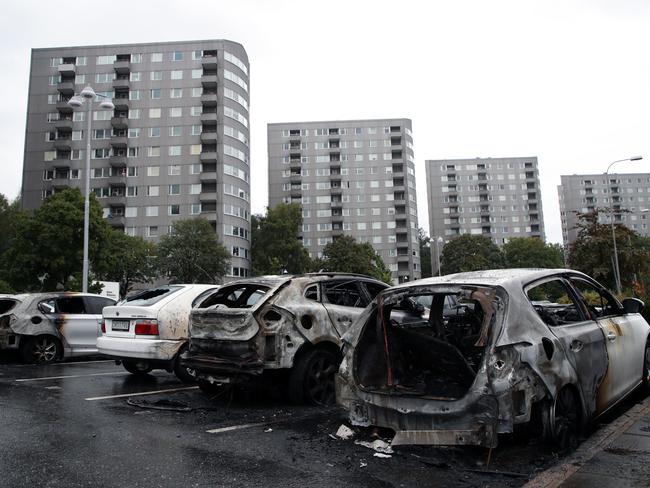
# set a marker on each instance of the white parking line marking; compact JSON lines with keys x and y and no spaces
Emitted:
{"x":84,"y":362}
{"x":72,"y":376}
{"x":141,"y":393}
{"x":237,"y":427}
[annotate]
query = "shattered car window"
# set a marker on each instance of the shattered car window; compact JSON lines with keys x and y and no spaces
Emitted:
{"x":344,"y":293}
{"x":6,"y":305}
{"x":596,"y":301}
{"x":71,"y":305}
{"x":237,"y":296}
{"x":150,"y":297}
{"x":47,"y":306}
{"x":554,"y":303}
{"x":311,"y":293}
{"x":373,"y":288}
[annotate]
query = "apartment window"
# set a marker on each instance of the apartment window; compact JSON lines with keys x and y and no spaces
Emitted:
{"x":175,"y":131}
{"x":197,"y":92}
{"x":231,"y":58}
{"x":174,"y":210}
{"x":154,"y":113}
{"x":177,"y":56}
{"x":361,"y":226}
{"x":195,"y":209}
{"x":105,"y":60}
{"x":197,"y":73}
{"x":49,"y":156}
{"x":174,"y":170}
{"x":54,"y":62}
{"x":101,"y":153}
{"x":174,"y":150}
{"x":133,"y":152}
{"x":132,"y":171}
{"x":176,"y":74}
{"x":229,"y":75}
{"x":156,"y":76}
{"x":196,"y":130}
{"x":195,"y":169}
{"x":135,"y":76}
{"x":153,"y":151}
{"x":195,"y":149}
{"x":133,"y":133}
{"x":131,"y":212}
{"x":136,"y":58}
{"x":196,"y":110}
{"x":153,"y":191}
{"x":104,"y":77}
{"x":152,"y":231}
{"x":156,"y":57}
{"x":79,"y":79}
{"x":195,"y":189}
{"x":154,"y":132}
{"x":176,"y":93}
{"x":174,"y":189}
{"x":134,"y":95}
{"x":155,"y":93}
{"x":54,"y":80}
{"x":134,"y":113}
{"x":176,"y":112}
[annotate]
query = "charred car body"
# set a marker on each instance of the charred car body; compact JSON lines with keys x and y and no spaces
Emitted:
{"x":45,"y":327}
{"x":278,"y":324}
{"x":545,"y":349}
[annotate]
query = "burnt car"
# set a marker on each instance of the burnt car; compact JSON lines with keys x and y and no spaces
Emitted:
{"x":46,"y":327}
{"x":543,"y":350}
{"x":274,"y":325}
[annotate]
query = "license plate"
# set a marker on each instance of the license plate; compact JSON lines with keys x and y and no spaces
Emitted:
{"x":120,"y":325}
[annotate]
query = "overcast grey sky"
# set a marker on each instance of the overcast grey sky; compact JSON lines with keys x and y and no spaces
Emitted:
{"x":567,"y":81}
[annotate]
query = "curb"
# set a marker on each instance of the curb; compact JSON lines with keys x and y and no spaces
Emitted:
{"x":555,"y":476}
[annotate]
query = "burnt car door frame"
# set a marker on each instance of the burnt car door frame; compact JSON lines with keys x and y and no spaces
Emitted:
{"x":343,"y":316}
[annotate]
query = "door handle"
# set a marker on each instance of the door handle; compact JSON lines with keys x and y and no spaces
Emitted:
{"x":611,"y":336}
{"x":576,"y":346}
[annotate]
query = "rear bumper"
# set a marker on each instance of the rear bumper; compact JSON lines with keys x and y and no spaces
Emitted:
{"x":223,"y":359}
{"x":152,"y":349}
{"x":9,"y":340}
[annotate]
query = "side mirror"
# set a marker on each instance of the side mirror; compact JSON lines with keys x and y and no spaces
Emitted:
{"x":633,"y":305}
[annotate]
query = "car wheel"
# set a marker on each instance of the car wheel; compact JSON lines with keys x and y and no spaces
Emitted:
{"x":210,"y":389}
{"x":41,"y":349}
{"x":645,"y":381}
{"x":312,"y":378}
{"x":137,"y":367}
{"x":565,"y":420}
{"x":186,"y":375}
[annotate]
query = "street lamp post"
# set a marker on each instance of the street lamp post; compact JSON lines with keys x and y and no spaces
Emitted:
{"x":439,"y":241}
{"x":617,"y":272}
{"x":86,"y":96}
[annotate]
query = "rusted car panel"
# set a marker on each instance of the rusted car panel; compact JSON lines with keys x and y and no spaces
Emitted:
{"x":454,"y":381}
{"x":68,"y":323}
{"x":269,"y":323}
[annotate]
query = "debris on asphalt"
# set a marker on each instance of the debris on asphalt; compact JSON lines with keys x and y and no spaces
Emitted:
{"x":363,"y":464}
{"x":377,"y":445}
{"x":382,"y":455}
{"x":268,"y":430}
{"x":162,"y":404}
{"x":344,"y":432}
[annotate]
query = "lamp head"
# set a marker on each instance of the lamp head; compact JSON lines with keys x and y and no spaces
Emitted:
{"x":76,"y":102}
{"x":636,"y":158}
{"x":88,"y":92}
{"x":107,"y":104}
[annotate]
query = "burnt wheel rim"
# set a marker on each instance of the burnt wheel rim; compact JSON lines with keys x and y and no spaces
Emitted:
{"x":44,"y":350}
{"x":566,"y":419}
{"x":320,"y":380}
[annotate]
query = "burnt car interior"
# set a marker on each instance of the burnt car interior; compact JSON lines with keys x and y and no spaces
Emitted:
{"x":404,"y":351}
{"x":236,"y":296}
{"x":6,"y":305}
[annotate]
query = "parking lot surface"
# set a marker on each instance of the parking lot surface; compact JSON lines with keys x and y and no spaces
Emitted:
{"x":89,"y":423}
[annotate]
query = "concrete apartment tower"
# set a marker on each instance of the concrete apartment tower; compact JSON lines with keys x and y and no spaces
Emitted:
{"x":628,"y":195}
{"x":352,"y":177}
{"x":175,"y":146}
{"x":496,"y":197}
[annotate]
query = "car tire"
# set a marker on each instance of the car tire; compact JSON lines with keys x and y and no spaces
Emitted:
{"x":186,"y":375}
{"x":564,"y":422}
{"x":312,"y":378}
{"x":645,"y":380}
{"x":41,"y":349}
{"x":210,"y":389}
{"x":138,"y":368}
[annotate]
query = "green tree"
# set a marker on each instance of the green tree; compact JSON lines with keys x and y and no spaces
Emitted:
{"x":127,"y":260}
{"x":530,"y":252}
{"x":425,"y":253}
{"x":470,"y":253}
{"x":47,"y":251}
{"x":192,"y":253}
{"x":11,"y":215}
{"x":346,"y":255}
{"x":275,"y":246}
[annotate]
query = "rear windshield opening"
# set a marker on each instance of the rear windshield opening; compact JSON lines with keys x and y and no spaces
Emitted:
{"x":149,"y":297}
{"x":236,"y":296}
{"x":6,"y":305}
{"x":429,"y":344}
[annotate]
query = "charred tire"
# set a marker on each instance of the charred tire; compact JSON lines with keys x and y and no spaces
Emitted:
{"x":312,"y":378}
{"x":138,"y":368}
{"x":564,"y":420}
{"x":645,"y":380}
{"x":41,"y":349}
{"x":185,"y":374}
{"x":210,"y":389}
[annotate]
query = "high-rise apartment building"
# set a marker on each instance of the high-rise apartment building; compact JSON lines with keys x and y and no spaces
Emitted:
{"x":353,"y":177}
{"x":496,"y":197}
{"x":175,"y":146}
{"x":628,"y":195}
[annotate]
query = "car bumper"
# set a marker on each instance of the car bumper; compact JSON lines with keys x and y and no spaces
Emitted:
{"x":152,"y":349}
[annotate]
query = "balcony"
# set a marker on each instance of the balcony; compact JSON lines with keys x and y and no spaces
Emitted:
{"x":208,"y":196}
{"x":209,"y":118}
{"x":118,"y":180}
{"x":119,"y":122}
{"x":118,"y":141}
{"x":63,"y":144}
{"x":60,"y":182}
{"x":209,"y":157}
{"x":117,"y":161}
{"x":121,"y":103}
{"x":209,"y":62}
{"x":209,"y":81}
{"x":209,"y":99}
{"x":209,"y":137}
{"x":122,"y":66}
{"x":115,"y":220}
{"x":208,"y":176}
{"x":61,"y":162}
{"x":63,"y":125}
{"x":403,"y":258}
{"x":67,"y":69}
{"x":63,"y":107}
{"x":66,"y":88}
{"x":116,"y":199}
{"x":121,"y":84}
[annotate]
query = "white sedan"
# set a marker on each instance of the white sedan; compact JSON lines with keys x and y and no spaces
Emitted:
{"x":149,"y":329}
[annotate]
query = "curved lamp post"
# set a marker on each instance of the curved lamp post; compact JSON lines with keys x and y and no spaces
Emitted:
{"x":617,"y":272}
{"x":86,"y":96}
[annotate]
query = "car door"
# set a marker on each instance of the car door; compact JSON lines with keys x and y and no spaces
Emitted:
{"x":94,"y":307}
{"x":580,"y":337}
{"x":624,"y":338}
{"x":77,"y":326}
{"x":344,"y":300}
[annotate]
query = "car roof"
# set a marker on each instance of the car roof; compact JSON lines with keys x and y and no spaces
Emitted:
{"x":276,"y":280}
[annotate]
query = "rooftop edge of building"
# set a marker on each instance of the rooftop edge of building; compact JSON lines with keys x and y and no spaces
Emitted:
{"x":346,"y":121}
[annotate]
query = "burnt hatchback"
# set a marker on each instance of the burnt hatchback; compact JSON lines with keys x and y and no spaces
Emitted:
{"x":275,"y":325}
{"x":548,"y":350}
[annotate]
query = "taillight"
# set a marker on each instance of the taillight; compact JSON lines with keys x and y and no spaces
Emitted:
{"x":103,"y":327}
{"x":146,"y":327}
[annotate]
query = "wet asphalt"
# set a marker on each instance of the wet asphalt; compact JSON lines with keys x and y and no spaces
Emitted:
{"x":89,"y":423}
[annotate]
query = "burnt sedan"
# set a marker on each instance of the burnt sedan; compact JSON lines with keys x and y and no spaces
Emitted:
{"x":549,"y":350}
{"x":275,"y":325}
